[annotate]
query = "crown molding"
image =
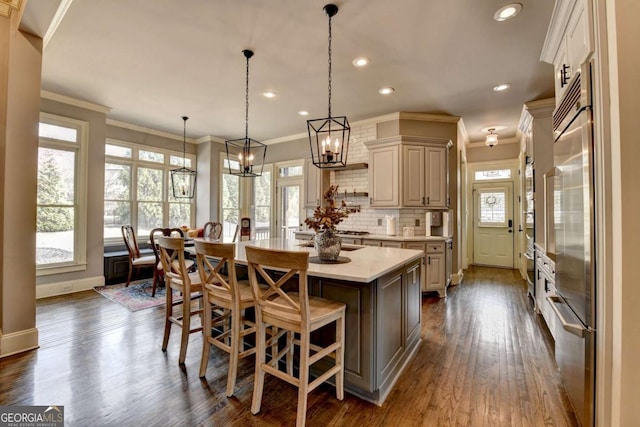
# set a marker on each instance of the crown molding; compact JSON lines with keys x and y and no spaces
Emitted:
{"x":555,"y":31}
{"x":56,"y":21}
{"x":74,"y":101}
{"x":209,"y":138}
{"x":148,"y":131}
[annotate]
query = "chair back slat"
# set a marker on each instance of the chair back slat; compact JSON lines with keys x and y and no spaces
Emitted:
{"x":129,"y":237}
{"x":210,"y":274}
{"x":275,"y":297}
{"x":156,"y":232}
{"x":172,"y":258}
{"x":212,"y":230}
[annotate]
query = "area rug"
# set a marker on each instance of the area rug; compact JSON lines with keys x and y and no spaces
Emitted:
{"x":135,"y":297}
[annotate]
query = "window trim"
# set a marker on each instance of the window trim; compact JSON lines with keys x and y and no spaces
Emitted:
{"x":135,"y":162}
{"x":80,"y":147}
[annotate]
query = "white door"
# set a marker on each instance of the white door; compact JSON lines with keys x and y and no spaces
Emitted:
{"x":493,"y":224}
{"x":289,"y":208}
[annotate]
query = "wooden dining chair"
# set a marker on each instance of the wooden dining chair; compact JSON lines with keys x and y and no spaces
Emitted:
{"x":298,"y":313}
{"x":177,"y":277}
{"x":225,"y":299}
{"x":158,"y":272}
{"x":136,"y":261}
{"x":212,"y":230}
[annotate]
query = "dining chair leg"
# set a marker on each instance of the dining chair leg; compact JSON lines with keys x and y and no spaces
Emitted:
{"x":290,"y":346}
{"x":303,"y":386}
{"x":340,"y":358}
{"x":236,"y":319}
{"x":155,"y":282}
{"x":186,"y":327}
{"x":258,"y":382}
{"x":168,"y":311}
{"x":206,"y":344}
{"x":130,"y":274}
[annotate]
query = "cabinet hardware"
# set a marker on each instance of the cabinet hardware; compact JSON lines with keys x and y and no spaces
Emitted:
{"x":370,"y":200}
{"x":429,"y":260}
{"x":564,"y":75}
{"x":423,"y":200}
{"x":427,"y":199}
{"x":546,"y":285}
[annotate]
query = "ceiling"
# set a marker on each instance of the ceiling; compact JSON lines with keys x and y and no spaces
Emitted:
{"x":154,"y":61}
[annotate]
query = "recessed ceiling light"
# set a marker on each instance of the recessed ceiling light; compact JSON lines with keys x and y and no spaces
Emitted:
{"x":386,"y":90}
{"x":501,"y":87}
{"x":303,"y":113}
{"x":269,"y":94}
{"x":507,"y":12}
{"x":360,"y":62}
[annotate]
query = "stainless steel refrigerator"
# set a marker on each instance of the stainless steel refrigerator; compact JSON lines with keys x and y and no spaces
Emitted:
{"x":573,"y":228}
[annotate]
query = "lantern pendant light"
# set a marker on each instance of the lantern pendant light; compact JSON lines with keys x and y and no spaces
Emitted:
{"x":183,"y":180}
{"x":492,"y":138}
{"x":329,"y":137}
{"x":245,"y":156}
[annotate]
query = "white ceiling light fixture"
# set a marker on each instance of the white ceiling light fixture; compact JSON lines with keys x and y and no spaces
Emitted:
{"x":492,"y":138}
{"x":507,"y":12}
{"x":501,"y":87}
{"x":360,"y":62}
{"x":269,"y":94}
{"x":386,"y":90}
{"x":303,"y":112}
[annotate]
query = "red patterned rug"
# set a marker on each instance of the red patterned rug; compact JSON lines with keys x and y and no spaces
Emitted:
{"x":135,"y":297}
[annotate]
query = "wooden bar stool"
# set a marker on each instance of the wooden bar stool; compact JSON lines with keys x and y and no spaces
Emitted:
{"x":177,"y":277}
{"x":225,"y":298}
{"x":298,"y":313}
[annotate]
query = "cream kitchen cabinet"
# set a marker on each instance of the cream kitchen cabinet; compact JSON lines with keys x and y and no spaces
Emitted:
{"x":384,"y":176}
{"x":436,"y":269}
{"x":569,"y":41}
{"x":408,"y":171}
{"x":312,"y":184}
{"x":424,"y":176}
{"x":545,"y":287}
{"x":382,"y":243}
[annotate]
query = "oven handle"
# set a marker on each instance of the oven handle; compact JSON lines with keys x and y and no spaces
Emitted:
{"x":573,"y":328}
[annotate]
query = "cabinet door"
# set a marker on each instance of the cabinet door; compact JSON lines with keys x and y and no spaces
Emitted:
{"x":413,"y":304}
{"x":312,"y":184}
{"x":448,"y":262}
{"x":436,"y":177}
{"x":390,"y":244}
{"x":383,"y":177}
{"x":423,"y":270}
{"x":413,"y":176}
{"x":371,"y":242}
{"x":435,"y":273}
{"x":578,"y":37}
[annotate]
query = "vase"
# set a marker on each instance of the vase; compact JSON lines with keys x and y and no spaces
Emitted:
{"x":327,"y":245}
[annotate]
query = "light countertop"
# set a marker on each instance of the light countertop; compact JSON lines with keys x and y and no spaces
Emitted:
{"x":367,"y":262}
{"x":396,"y":238}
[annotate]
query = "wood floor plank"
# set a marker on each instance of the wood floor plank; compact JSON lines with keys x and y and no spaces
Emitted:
{"x":485,"y":359}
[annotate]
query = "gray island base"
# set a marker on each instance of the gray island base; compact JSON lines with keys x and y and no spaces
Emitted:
{"x":381,"y":289}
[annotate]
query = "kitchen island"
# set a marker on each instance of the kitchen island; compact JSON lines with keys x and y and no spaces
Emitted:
{"x":381,"y":289}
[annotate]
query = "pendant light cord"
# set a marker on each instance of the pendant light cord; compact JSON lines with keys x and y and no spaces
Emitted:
{"x":329,"y":65}
{"x":246,"y":114}
{"x":184,"y":141}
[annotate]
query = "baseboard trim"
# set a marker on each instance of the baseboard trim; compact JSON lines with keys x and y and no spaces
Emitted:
{"x":68,"y":287}
{"x":456,"y":279}
{"x":18,"y":342}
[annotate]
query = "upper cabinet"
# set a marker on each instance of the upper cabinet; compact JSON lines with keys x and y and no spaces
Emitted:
{"x":409,"y":172}
{"x":569,"y":41}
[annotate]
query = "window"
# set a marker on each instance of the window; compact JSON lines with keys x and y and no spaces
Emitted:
{"x":138,"y":190}
{"x":61,"y":195}
{"x":230,"y":196}
{"x":262,"y":190}
{"x":493,"y":174}
{"x":493,"y":207}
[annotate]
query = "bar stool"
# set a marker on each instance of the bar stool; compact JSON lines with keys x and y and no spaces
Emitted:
{"x":225,"y":298}
{"x":177,"y":277}
{"x":295,"y":312}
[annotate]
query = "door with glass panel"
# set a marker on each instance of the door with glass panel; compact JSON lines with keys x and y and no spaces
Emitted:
{"x":289,"y":208}
{"x":261,"y":205}
{"x":493,"y":224}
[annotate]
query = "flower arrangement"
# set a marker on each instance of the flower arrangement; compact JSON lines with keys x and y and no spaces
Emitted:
{"x":328,"y":216}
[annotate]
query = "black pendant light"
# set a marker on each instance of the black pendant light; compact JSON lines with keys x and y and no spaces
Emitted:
{"x":245,"y":156}
{"x":329,"y":137}
{"x":183,"y":180}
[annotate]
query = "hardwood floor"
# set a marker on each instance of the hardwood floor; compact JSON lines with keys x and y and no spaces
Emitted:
{"x":485,"y":359}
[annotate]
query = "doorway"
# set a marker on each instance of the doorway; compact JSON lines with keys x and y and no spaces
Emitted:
{"x":493,"y":236}
{"x":289,"y":208}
